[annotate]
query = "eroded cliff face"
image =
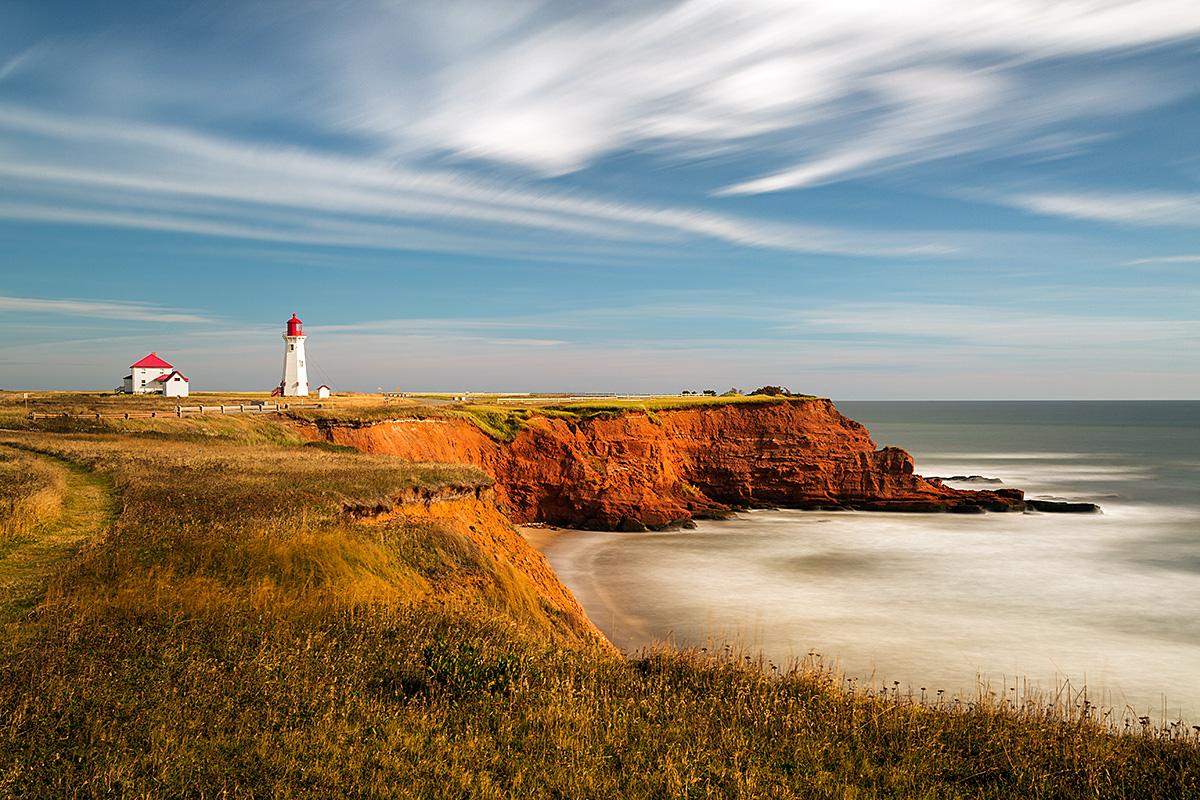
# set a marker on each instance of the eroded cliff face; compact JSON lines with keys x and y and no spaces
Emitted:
{"x":662,"y":469}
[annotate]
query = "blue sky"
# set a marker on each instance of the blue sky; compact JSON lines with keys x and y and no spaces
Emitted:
{"x":932,"y":199}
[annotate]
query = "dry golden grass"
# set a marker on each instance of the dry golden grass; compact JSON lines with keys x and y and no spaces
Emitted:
{"x":15,"y":407}
{"x":420,"y":703}
{"x":246,"y":513}
{"x":31,"y":495}
{"x":238,"y":634}
{"x":69,"y":508}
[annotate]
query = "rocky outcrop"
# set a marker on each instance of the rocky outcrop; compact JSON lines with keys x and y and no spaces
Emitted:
{"x":638,"y":470}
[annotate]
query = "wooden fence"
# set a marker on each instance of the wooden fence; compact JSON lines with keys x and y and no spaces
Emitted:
{"x":182,"y":411}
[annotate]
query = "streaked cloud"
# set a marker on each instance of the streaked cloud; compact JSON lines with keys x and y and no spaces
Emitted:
{"x":836,"y":88}
{"x":1183,"y":259}
{"x":101,"y":309}
{"x":223,"y":187}
{"x":824,"y":90}
{"x":1028,"y":333}
{"x":1129,"y":208}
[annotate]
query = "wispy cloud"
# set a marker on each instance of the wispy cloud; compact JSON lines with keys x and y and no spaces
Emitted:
{"x":791,"y":94}
{"x":101,"y":309}
{"x":852,"y":332}
{"x":1021,"y":332}
{"x":1130,"y":208}
{"x":310,"y":197}
{"x":1183,"y":259}
{"x":925,"y":107}
{"x":833,"y":88}
{"x":442,"y":326}
{"x":24,"y":58}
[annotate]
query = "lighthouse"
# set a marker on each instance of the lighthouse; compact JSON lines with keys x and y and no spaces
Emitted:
{"x":295,"y":375}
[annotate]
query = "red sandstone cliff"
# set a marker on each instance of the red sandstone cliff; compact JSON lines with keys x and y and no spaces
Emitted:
{"x":660,"y":469}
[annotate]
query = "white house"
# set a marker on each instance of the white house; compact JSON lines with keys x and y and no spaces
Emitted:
{"x":153,"y":375}
{"x":322,"y":391}
{"x":143,"y":373}
{"x":174,"y":384}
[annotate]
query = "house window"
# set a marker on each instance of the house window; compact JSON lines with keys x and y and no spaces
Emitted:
{"x":300,"y":363}
{"x":291,"y":347}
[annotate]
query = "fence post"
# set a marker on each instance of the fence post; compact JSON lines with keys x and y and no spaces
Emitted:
{"x":179,"y":411}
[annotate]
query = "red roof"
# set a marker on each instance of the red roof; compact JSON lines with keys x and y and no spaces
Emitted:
{"x":151,"y":360}
{"x":170,"y":375}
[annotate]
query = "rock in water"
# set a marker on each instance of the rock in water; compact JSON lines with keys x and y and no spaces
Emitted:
{"x":1061,"y":507}
{"x":967,"y":479}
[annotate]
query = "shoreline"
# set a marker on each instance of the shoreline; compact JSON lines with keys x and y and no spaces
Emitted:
{"x":640,"y":589}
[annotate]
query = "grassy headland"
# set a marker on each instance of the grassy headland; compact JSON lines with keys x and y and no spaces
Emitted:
{"x":502,"y":418}
{"x":243,"y":630}
{"x":499,"y":416}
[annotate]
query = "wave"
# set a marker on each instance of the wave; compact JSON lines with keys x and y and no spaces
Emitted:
{"x":1022,"y":456}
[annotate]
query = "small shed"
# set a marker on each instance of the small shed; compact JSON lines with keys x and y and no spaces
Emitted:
{"x":322,"y":391}
{"x":174,"y":384}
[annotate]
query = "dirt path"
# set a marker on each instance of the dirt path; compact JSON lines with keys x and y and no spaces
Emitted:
{"x":26,"y":569}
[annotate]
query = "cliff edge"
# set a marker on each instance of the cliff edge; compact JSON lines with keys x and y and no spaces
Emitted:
{"x":657,"y":469}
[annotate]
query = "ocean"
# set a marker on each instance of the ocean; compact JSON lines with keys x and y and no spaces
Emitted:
{"x":1032,"y":601}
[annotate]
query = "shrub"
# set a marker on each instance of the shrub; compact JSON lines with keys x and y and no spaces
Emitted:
{"x":771,"y":391}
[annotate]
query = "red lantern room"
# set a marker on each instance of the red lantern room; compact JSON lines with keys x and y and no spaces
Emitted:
{"x":293,"y":326}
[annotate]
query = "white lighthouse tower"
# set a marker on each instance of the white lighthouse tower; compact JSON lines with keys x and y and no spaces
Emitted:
{"x":295,"y":374}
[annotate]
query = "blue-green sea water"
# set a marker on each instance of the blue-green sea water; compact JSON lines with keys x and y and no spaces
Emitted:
{"x":945,"y":601}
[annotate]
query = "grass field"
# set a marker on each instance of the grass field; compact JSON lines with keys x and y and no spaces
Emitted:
{"x":235,"y":632}
{"x":56,"y":509}
{"x":31,"y":495}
